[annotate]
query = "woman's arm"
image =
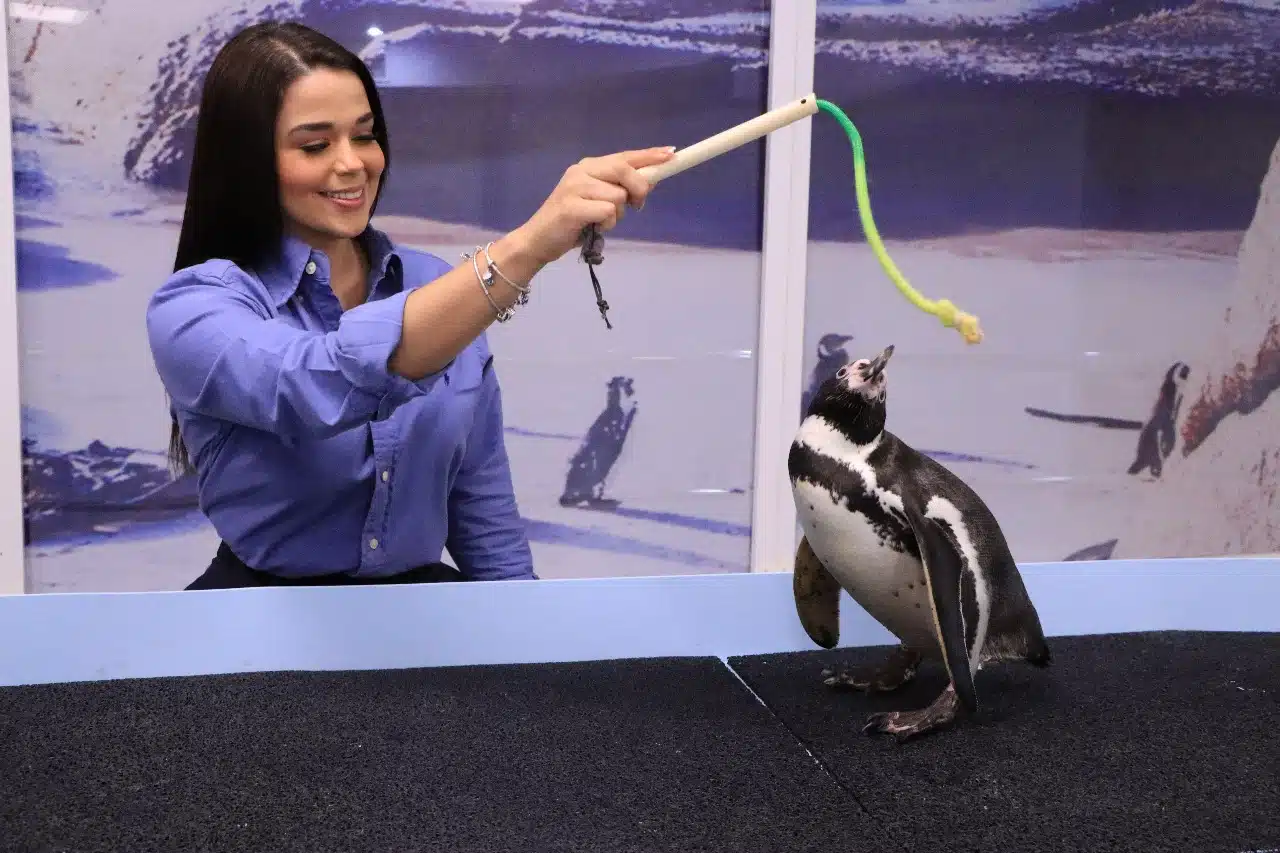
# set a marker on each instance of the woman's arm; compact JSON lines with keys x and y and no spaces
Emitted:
{"x":218,"y":353}
{"x":442,"y":319}
{"x":487,"y":537}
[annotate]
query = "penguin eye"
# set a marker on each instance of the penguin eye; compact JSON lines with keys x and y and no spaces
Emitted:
{"x":842,"y":373}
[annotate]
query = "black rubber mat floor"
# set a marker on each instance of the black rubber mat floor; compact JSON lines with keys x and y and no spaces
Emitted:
{"x":649,"y":755}
{"x":1142,"y":743}
{"x":1135,"y":743}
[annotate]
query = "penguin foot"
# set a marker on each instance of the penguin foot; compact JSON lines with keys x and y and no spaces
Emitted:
{"x":895,"y":672}
{"x":908,"y":724}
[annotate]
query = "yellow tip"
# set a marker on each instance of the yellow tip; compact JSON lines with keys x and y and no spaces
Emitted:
{"x":969,"y":328}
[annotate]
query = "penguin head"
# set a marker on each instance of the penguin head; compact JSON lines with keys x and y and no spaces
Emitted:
{"x":619,"y":387}
{"x":832,"y":343}
{"x":854,"y":398}
{"x":866,"y":376}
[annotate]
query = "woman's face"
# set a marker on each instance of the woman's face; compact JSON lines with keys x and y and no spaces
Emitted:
{"x":328,"y":161}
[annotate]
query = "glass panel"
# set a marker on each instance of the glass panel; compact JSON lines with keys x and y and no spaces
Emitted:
{"x":487,"y":105}
{"x":1100,"y":187}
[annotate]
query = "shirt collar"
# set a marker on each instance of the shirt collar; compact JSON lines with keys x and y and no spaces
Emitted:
{"x":283,"y":273}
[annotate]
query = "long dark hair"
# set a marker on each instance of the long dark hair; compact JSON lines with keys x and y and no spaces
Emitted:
{"x":233,"y":205}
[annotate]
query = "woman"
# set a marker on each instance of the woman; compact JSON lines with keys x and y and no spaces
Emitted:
{"x":334,"y":392}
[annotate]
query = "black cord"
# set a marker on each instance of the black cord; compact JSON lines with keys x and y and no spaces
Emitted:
{"x":593,"y":255}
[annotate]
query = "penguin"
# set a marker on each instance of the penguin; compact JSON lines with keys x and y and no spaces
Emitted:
{"x":1159,"y":434}
{"x":831,"y":355}
{"x":1098,"y":551}
{"x":911,"y":543}
{"x":600,"y":449}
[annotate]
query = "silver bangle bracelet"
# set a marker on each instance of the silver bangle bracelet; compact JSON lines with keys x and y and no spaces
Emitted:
{"x":503,"y":314}
{"x":523,"y":290}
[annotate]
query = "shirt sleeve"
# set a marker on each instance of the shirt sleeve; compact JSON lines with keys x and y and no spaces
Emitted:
{"x":220,"y":355}
{"x":487,"y":536}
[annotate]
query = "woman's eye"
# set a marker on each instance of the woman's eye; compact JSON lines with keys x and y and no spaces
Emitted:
{"x":317,"y":147}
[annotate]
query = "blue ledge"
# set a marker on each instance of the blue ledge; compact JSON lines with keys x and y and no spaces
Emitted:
{"x":92,"y":636}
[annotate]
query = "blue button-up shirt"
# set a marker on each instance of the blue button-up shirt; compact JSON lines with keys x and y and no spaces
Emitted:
{"x":311,"y":456}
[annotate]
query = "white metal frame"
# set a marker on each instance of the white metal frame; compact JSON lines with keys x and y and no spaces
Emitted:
{"x":12,"y":549}
{"x":780,"y":345}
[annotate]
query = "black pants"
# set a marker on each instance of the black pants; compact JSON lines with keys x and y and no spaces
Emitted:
{"x":227,"y":571}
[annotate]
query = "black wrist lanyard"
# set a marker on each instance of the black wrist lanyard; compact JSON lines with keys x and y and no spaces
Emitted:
{"x":593,"y":255}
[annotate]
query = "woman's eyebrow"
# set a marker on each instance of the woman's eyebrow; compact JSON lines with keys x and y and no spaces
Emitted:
{"x":319,"y":126}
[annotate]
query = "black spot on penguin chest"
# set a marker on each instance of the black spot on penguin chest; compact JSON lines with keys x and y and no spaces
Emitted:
{"x":847,"y":487}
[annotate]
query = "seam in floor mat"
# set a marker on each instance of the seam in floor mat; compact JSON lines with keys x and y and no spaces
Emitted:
{"x":802,"y":744}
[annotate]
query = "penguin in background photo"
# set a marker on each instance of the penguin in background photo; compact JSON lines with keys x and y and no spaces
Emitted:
{"x":911,"y":543}
{"x":831,"y":357}
{"x":1097,"y":551}
{"x":1159,"y":434}
{"x":601,"y":447}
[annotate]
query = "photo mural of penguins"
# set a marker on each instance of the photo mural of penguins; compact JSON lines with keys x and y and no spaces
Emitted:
{"x":601,"y":447}
{"x":1157,"y":435}
{"x":911,"y":543}
{"x":831,"y":357}
{"x":1097,"y":551}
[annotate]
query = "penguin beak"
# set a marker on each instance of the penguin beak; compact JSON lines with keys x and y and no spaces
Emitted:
{"x":877,"y":365}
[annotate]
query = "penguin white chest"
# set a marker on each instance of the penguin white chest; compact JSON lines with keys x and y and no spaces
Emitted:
{"x":859,"y":551}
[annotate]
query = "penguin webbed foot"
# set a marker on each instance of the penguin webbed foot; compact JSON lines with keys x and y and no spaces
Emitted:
{"x":908,"y":724}
{"x":892,"y":674}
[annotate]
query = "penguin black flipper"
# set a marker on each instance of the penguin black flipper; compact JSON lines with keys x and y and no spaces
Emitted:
{"x":944,"y":570}
{"x":817,"y":596}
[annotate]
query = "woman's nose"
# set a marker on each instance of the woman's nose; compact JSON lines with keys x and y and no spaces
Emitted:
{"x":347,"y":160}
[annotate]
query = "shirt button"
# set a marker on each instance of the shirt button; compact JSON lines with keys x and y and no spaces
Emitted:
{"x":311,"y":267}
{"x":386,"y":475}
{"x":373,"y":544}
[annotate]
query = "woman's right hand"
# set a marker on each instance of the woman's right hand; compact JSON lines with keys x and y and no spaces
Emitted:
{"x":593,"y":191}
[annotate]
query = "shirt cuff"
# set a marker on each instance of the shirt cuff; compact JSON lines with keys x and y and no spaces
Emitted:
{"x":367,"y":336}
